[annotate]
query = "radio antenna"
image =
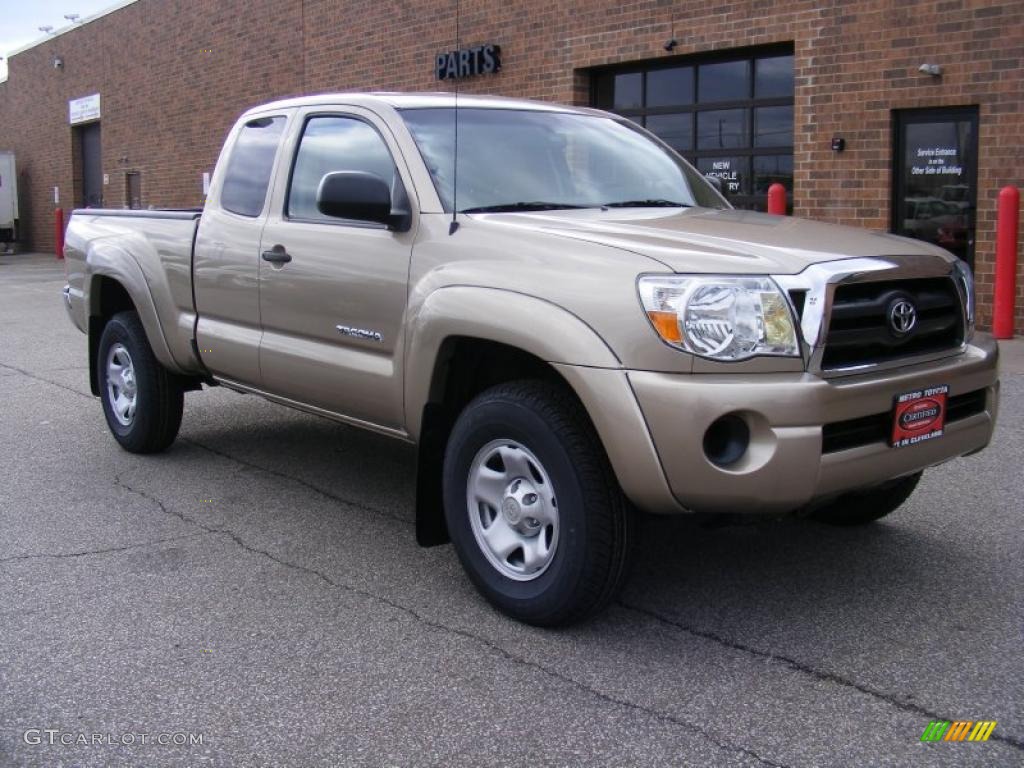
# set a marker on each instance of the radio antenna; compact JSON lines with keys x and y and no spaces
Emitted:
{"x":455,"y":148}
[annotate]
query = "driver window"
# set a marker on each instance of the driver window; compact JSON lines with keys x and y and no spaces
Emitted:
{"x":332,"y":144}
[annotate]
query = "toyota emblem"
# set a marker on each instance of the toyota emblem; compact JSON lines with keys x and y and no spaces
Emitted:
{"x":902,"y":317}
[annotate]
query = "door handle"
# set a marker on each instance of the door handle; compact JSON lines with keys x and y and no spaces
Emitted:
{"x":277,"y":255}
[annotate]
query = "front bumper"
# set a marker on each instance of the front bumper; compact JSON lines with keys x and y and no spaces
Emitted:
{"x":785,"y":466}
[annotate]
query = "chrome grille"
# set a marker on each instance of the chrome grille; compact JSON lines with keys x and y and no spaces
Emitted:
{"x":862,"y":331}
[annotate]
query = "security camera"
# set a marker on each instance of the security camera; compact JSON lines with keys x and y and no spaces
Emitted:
{"x":930,"y":69}
{"x":58,"y":62}
{"x":671,"y":45}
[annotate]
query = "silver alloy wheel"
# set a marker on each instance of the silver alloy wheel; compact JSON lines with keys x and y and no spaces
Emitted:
{"x":512,"y":510}
{"x":122,"y":390}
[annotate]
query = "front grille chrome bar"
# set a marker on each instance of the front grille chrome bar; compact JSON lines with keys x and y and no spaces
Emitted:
{"x":818,"y":284}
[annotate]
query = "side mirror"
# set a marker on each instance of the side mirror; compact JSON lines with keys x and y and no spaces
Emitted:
{"x":361,"y":196}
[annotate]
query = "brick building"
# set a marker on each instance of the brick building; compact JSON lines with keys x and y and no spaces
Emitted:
{"x":753,"y":91}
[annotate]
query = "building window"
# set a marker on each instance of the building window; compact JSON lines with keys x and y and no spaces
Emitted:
{"x":731,"y":115}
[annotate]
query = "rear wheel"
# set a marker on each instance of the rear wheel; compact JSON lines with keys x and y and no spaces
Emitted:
{"x":862,"y":507}
{"x":532,"y":505}
{"x":142,"y":400}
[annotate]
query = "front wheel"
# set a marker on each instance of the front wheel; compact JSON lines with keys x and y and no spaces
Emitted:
{"x":142,"y":400}
{"x":533,"y":508}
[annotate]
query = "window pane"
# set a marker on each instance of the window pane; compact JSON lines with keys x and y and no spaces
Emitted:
{"x":604,"y":89}
{"x":675,"y":130}
{"x":773,"y":127}
{"x":727,"y":81}
{"x":769,"y":169}
{"x":733,"y":171}
{"x":722,"y":129}
{"x":564,"y":158}
{"x":334,"y":144}
{"x":628,"y":91}
{"x":250,"y":166}
{"x":935,"y":190}
{"x":669,"y":87}
{"x":774,"y":77}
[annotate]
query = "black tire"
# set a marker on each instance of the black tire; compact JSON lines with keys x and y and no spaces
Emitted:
{"x":595,"y":521}
{"x":159,"y":394}
{"x":863,"y":507}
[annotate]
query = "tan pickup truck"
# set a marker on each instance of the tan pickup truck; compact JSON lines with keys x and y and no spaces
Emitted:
{"x":570,"y":322}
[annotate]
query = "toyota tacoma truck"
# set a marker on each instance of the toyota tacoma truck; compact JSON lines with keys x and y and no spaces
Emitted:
{"x":567,"y":319}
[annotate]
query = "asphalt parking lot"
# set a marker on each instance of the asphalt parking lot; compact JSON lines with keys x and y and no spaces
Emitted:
{"x":258,"y":588}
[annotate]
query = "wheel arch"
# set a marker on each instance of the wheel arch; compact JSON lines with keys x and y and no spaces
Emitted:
{"x":117,"y":284}
{"x":458,"y":347}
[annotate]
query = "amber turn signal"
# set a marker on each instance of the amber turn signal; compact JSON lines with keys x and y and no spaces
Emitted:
{"x":667,"y":325}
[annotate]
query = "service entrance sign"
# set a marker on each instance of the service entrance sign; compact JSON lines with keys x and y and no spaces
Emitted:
{"x":84,"y":110}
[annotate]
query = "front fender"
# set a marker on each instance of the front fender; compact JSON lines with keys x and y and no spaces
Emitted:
{"x":108,"y":260}
{"x":549,"y":332}
{"x":532,"y":325}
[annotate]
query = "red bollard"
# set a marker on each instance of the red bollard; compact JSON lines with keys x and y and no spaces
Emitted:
{"x":1006,"y":262}
{"x":777,"y":199}
{"x":58,"y":232}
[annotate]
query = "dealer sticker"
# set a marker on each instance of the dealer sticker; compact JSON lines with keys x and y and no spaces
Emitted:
{"x":919,"y":416}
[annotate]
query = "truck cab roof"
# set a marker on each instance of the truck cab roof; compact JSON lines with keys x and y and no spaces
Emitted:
{"x":425,"y":100}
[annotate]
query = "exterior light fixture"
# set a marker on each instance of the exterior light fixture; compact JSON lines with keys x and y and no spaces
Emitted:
{"x":935,"y":70}
{"x":46,"y":30}
{"x":72,"y":17}
{"x":58,"y":62}
{"x":672,"y":42}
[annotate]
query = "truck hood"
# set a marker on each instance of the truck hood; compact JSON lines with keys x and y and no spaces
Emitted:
{"x":705,"y":240}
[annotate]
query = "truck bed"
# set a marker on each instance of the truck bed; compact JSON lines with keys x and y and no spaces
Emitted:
{"x":153,"y":247}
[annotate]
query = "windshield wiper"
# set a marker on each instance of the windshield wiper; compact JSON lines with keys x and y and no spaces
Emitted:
{"x":656,"y":202}
{"x":538,"y":205}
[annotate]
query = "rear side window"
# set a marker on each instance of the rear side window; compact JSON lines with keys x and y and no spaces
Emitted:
{"x":250,"y":166}
{"x":334,"y":144}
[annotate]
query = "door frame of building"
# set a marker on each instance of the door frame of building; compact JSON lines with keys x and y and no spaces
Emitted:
{"x":81,"y":166}
{"x":901,"y":118}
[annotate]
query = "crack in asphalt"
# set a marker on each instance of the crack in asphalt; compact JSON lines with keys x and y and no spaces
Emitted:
{"x":31,"y":375}
{"x":798,"y":666}
{"x":376,"y":511}
{"x":276,"y":473}
{"x":86,"y":553}
{"x":438,"y":626}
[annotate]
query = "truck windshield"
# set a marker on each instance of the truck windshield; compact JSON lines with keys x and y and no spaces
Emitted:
{"x":523,"y":160}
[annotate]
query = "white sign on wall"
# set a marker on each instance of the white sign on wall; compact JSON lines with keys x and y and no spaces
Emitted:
{"x":84,"y":109}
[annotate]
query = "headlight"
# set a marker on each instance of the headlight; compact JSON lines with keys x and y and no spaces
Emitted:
{"x":723,"y":318}
{"x":962,"y":272}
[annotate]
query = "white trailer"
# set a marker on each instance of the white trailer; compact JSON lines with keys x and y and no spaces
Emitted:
{"x":8,"y":202}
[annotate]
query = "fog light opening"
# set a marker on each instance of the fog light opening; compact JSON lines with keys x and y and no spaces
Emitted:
{"x":726,"y":440}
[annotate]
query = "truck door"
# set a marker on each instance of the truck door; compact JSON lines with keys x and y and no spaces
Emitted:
{"x":333,"y":291}
{"x":227,"y":252}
